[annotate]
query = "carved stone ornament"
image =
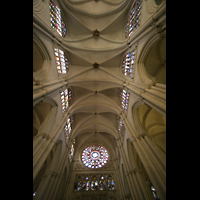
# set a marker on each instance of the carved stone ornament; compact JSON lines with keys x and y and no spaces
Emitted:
{"x":79,"y":166}
{"x":95,"y":65}
{"x":96,"y":32}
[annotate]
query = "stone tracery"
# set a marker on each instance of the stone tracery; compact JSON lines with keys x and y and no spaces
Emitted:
{"x":94,"y":156}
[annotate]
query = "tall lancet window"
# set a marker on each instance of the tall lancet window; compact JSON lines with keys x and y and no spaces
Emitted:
{"x":65,"y":96}
{"x":134,"y":18}
{"x":124,"y":98}
{"x":71,"y":151}
{"x":128,"y":64}
{"x":121,"y":128}
{"x":62,"y":62}
{"x":68,"y":127}
{"x":56,"y":20}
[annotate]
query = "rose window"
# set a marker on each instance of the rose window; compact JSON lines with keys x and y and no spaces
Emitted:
{"x":94,"y":156}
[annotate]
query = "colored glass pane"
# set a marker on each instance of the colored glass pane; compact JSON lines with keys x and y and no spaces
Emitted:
{"x":134,"y":18}
{"x":65,"y":99}
{"x":128,"y":64}
{"x":56,"y":19}
{"x":121,"y":128}
{"x":68,"y":127}
{"x":124,"y":98}
{"x":94,"y":156}
{"x":61,"y":61}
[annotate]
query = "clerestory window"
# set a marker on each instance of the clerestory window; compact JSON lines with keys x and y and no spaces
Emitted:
{"x":57,"y":22}
{"x":62,"y":62}
{"x":65,"y":96}
{"x":133,"y":21}
{"x":68,"y":127}
{"x":121,"y":128}
{"x":128,"y":64}
{"x":124,"y":99}
{"x":71,"y":151}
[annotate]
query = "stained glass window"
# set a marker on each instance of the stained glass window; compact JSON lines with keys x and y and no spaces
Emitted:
{"x":79,"y":186}
{"x":71,"y":151}
{"x":94,"y":182}
{"x":134,"y":18}
{"x":100,"y":185}
{"x":68,"y":127}
{"x":153,"y":190}
{"x":111,"y":185}
{"x":124,"y":98}
{"x":87,"y":185}
{"x":56,"y":19}
{"x":84,"y":186}
{"x":65,"y":96}
{"x":128,"y":64}
{"x":94,"y":156}
{"x":62,"y":62}
{"x":121,"y":128}
{"x":92,"y":185}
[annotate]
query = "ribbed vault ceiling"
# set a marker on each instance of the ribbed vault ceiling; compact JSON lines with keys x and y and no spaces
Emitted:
{"x":95,"y":103}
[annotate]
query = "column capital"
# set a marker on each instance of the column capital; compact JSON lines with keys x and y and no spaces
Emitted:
{"x":132,"y":139}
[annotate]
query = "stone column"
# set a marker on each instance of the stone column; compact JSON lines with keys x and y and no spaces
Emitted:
{"x":151,"y":169}
{"x":45,"y":144}
{"x":158,"y":153}
{"x":46,"y":184}
{"x":60,"y":171}
{"x":136,"y":173}
{"x":153,"y":158}
{"x":133,"y":191}
{"x":118,"y":179}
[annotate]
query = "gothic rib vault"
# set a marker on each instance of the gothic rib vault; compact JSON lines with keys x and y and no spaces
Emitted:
{"x":95,"y":44}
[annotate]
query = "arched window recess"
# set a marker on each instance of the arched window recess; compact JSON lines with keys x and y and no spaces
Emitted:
{"x":41,"y":60}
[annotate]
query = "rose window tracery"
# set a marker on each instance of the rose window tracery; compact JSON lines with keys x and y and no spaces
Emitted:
{"x":95,"y":156}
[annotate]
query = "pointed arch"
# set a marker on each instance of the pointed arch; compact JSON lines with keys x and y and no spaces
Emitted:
{"x":40,"y":73}
{"x":146,"y":74}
